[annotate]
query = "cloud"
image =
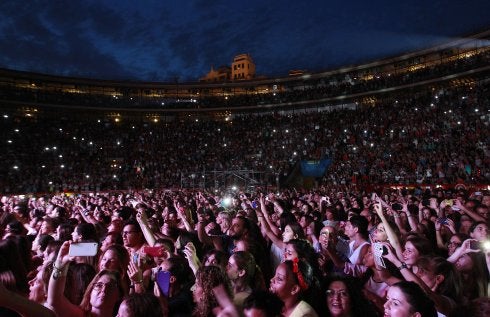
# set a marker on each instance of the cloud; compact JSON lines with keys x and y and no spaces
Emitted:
{"x":163,"y":40}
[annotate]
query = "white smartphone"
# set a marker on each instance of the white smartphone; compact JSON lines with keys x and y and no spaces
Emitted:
{"x":83,"y":249}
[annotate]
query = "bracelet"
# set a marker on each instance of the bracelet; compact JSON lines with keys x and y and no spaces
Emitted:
{"x":402,"y":266}
{"x":59,"y":271}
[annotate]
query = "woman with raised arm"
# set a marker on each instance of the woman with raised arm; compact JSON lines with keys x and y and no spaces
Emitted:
{"x":391,"y":235}
{"x":100,"y":299}
{"x":470,"y":264}
{"x":437,"y":278}
{"x":291,"y":230}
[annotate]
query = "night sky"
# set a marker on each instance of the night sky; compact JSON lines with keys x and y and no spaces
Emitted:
{"x":180,"y":40}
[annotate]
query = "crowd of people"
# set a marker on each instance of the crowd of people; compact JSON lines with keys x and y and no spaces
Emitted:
{"x":333,"y":251}
{"x":438,"y":136}
{"x":407,"y":71}
{"x":94,"y":220}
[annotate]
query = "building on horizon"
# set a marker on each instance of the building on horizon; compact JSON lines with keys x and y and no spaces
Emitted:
{"x":242,"y":68}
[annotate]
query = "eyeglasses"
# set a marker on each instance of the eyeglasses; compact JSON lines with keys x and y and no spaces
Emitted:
{"x":107,"y":286}
{"x":332,"y":293}
{"x":125,"y":233}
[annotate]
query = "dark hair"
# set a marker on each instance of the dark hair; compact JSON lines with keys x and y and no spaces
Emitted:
{"x":87,"y":231}
{"x":359,"y":304}
{"x":143,"y":305}
{"x":421,"y":243}
{"x":476,"y":308}
{"x":253,"y":275}
{"x":65,"y":230}
{"x":286,"y":218}
{"x":361,"y":223}
{"x":11,"y":261}
{"x":208,"y":277}
{"x":24,"y":246}
{"x":265,"y":301}
{"x":297,"y":229}
{"x":125,"y":212}
{"x":134,"y":223}
{"x":306,"y":252}
{"x":475,"y":281}
{"x":186,"y":237}
{"x":117,"y":238}
{"x":122,"y":255}
{"x":451,"y":285}
{"x":417,"y":299}
{"x":16,"y":227}
{"x":77,"y":280}
{"x":475,"y":224}
{"x":220,"y":256}
{"x":167,"y":243}
{"x":305,"y":272}
{"x":44,"y":240}
{"x":179,"y":268}
{"x":85,"y":304}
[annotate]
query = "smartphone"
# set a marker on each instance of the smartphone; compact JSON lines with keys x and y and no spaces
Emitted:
{"x":474,"y":245}
{"x":449,"y":202}
{"x":379,"y":249}
{"x":154,"y":251}
{"x":83,"y":249}
{"x":442,"y":221}
{"x":397,"y":206}
{"x":163,"y":282}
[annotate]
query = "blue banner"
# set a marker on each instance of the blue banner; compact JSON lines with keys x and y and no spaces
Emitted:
{"x":314,"y":168}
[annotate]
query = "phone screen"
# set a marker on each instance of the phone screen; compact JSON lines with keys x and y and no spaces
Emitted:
{"x":474,"y":245}
{"x":163,"y":281}
{"x":83,"y":249}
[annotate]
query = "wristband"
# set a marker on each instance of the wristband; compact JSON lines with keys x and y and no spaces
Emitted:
{"x":402,"y":266}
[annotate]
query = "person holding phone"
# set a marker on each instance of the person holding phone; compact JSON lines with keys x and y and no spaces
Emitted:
{"x":100,"y":299}
{"x":176,"y":277}
{"x":469,"y":261}
{"x":436,"y":277}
